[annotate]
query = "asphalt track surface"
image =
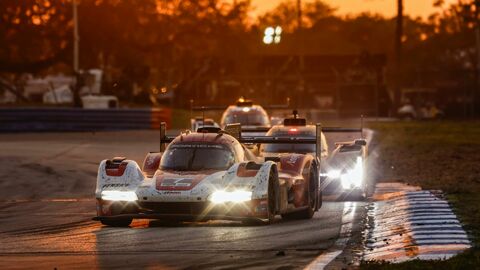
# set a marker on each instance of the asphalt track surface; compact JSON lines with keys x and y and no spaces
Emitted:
{"x":46,"y":205}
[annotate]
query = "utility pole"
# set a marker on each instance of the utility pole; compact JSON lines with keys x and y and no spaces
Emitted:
{"x":301,"y":83}
{"x":75,"y":36}
{"x":76,"y":88}
{"x":476,"y":90}
{"x":398,"y":56}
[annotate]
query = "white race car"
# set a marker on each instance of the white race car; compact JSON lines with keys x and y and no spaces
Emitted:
{"x":210,"y":175}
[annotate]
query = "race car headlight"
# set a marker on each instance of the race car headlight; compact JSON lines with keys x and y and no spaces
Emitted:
{"x":237,"y":196}
{"x":353,"y":178}
{"x":334,"y":174}
{"x":115,"y":195}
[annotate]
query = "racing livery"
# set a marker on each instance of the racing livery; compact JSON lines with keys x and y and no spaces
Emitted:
{"x":210,"y":175}
{"x":344,"y":168}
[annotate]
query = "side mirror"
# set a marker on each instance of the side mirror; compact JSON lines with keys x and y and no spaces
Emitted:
{"x":361,"y":142}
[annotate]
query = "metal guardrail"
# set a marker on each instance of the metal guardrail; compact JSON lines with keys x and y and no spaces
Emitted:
{"x":77,"y":119}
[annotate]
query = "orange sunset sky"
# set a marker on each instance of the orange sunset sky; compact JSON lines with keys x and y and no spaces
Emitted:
{"x":387,"y":8}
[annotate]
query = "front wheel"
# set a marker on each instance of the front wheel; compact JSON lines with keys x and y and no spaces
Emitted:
{"x":271,"y":201}
{"x":312,"y":196}
{"x":272,"y":195}
{"x":124,"y":222}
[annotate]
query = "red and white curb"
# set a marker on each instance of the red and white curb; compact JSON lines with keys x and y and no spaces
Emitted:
{"x":408,"y":223}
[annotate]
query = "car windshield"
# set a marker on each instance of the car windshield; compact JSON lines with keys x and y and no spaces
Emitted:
{"x":289,"y":148}
{"x":250,"y":118}
{"x":195,"y":157}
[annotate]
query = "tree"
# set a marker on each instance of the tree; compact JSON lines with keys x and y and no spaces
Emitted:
{"x":33,"y":34}
{"x":285,"y":14}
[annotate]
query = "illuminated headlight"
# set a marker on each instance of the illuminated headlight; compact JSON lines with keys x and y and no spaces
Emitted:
{"x":115,"y":195}
{"x":237,"y":196}
{"x":353,"y":178}
{"x":334,"y":174}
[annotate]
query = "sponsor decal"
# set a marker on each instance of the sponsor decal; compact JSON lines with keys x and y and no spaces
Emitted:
{"x":177,"y":182}
{"x":215,"y":146}
{"x":293,"y":159}
{"x":114,"y":185}
{"x":171,"y":192}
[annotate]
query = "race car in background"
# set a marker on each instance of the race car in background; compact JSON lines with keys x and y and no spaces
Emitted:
{"x":293,"y":127}
{"x":210,"y":175}
{"x":247,"y":114}
{"x":200,"y":122}
{"x":346,"y":169}
{"x":254,"y":118}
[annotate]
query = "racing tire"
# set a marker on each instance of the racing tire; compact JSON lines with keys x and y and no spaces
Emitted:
{"x":124,"y":222}
{"x":312,"y":196}
{"x":319,"y":188}
{"x":320,"y":195}
{"x":272,"y":201}
{"x":272,"y":196}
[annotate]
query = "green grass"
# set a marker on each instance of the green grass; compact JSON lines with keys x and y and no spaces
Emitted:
{"x":435,"y":155}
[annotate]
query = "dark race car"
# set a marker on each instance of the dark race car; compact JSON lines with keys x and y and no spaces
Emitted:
{"x":346,"y":169}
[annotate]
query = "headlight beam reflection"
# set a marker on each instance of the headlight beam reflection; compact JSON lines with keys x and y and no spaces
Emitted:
{"x":116,"y":195}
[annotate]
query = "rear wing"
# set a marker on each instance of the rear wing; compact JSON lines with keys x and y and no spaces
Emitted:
{"x":235,"y":130}
{"x":324,"y":129}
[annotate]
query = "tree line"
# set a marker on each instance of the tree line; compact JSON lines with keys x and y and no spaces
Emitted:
{"x":169,"y":42}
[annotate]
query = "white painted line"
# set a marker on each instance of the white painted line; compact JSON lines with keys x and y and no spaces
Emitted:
{"x":323,"y":260}
{"x":345,"y":232}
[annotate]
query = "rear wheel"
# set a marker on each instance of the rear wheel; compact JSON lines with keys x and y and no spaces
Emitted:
{"x":312,"y":197}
